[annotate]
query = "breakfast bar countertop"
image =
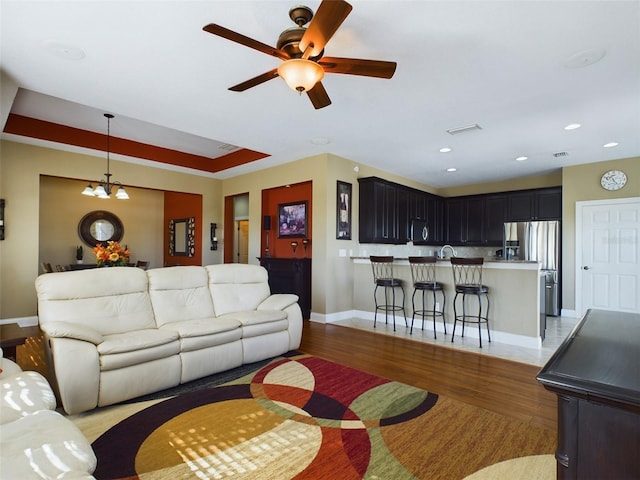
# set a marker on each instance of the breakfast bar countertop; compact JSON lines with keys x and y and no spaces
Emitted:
{"x":488,"y":263}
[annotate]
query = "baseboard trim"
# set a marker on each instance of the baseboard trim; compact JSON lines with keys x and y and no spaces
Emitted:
{"x":496,"y":336}
{"x":22,"y":321}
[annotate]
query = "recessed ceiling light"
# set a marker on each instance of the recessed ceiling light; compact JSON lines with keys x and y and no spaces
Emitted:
{"x":572,"y":126}
{"x":320,"y":141}
{"x":611,"y":144}
{"x":521,"y":159}
{"x":585,"y":58}
{"x":68,"y":52}
{"x":452,"y":169}
{"x":445,"y":150}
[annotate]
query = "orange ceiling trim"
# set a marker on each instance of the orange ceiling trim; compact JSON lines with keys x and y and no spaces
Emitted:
{"x":34,"y":128}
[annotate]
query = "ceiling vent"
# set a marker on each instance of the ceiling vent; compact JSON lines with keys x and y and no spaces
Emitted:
{"x":227,"y":147}
{"x":560,"y":154}
{"x":465,"y":129}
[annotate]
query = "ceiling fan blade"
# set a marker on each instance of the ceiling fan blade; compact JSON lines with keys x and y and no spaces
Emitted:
{"x":265,"y":77}
{"x":356,"y":66}
{"x":328,"y":18}
{"x":246,"y":41}
{"x":318,"y":96}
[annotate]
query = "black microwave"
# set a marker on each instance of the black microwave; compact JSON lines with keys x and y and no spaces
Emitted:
{"x":419,"y":232}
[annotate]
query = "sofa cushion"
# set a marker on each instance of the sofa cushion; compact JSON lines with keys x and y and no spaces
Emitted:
{"x":260,"y":322}
{"x":126,"y":349}
{"x":206,"y":332}
{"x":47,"y":441}
{"x":237,"y":287}
{"x":24,"y":393}
{"x":180,"y":294}
{"x":109,"y":300}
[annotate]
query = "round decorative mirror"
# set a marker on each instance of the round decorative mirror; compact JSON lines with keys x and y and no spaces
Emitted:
{"x":100,"y":226}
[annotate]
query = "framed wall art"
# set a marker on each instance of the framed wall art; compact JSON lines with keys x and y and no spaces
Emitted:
{"x":292,"y":219}
{"x":343,"y":211}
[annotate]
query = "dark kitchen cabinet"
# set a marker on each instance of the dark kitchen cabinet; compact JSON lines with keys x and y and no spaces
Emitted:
{"x":464,"y":218}
{"x":426,"y":208}
{"x":380,"y":205}
{"x":495,"y":214}
{"x":291,"y":275}
{"x":540,"y":204}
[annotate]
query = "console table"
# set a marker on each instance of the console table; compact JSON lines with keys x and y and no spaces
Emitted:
{"x":290,"y":275}
{"x":596,"y":376}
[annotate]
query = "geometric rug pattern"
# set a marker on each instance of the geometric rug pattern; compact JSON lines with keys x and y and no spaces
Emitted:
{"x":303,"y":417}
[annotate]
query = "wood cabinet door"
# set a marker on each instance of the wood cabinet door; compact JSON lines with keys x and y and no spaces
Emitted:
{"x":495,"y":215}
{"x":520,"y":207}
{"x":548,"y":204}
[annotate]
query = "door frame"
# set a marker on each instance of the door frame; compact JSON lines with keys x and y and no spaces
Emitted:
{"x":578,"y":242}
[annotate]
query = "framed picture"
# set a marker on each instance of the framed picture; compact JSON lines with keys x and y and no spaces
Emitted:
{"x":343,"y":211}
{"x":292,"y":219}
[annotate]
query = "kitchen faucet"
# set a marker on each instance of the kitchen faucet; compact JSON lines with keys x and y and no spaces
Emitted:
{"x":453,"y":252}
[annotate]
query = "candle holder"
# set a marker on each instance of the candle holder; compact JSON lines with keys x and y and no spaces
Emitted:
{"x":305,"y":243}
{"x":294,"y":245}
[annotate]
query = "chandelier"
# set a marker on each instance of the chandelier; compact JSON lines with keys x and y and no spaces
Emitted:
{"x":103,"y":190}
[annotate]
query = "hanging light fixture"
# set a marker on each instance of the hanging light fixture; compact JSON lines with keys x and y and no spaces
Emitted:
{"x":103,"y":190}
{"x":300,"y":74}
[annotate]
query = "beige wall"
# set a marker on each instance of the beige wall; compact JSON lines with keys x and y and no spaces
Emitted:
{"x":61,"y":209}
{"x":523,"y":183}
{"x":582,"y":183}
{"x":333,"y":272}
{"x":21,"y":167}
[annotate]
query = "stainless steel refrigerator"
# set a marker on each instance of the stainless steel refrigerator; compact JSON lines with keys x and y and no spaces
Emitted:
{"x":538,"y":242}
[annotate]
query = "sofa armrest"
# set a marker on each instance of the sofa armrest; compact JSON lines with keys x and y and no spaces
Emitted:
{"x":278,"y":301}
{"x":8,"y":367}
{"x":73,"y":330}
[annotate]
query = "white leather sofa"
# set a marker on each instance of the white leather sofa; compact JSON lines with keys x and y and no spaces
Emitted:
{"x":118,"y":333}
{"x":35,"y":441}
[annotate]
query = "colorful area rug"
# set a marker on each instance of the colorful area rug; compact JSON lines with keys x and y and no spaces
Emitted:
{"x":302,"y":417}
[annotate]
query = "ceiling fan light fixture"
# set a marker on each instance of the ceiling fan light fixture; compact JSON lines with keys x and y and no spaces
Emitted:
{"x":301,"y":75}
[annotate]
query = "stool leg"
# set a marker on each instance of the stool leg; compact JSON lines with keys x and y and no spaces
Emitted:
{"x":413,"y":306}
{"x":375,"y":300}
{"x":434,"y":314}
{"x":423,"y":309}
{"x":455,"y":317}
{"x":444,"y":302}
{"x":404,"y":312}
{"x":488,"y":305}
{"x":464,"y":311}
{"x":480,"y":318}
{"x":393,"y":307}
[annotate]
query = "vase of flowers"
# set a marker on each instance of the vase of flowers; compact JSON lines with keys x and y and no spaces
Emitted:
{"x":113,"y":255}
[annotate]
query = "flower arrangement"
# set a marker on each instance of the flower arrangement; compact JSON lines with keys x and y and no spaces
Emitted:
{"x":112,"y":255}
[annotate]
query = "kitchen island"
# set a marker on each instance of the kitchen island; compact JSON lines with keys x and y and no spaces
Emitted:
{"x":514,"y":293}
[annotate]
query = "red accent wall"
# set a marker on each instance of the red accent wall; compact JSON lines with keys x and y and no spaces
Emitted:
{"x":271,"y":198}
{"x":183,"y":205}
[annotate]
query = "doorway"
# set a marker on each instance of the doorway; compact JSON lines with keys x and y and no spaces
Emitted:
{"x":236,"y":222}
{"x":608,"y":255}
{"x":241,"y":246}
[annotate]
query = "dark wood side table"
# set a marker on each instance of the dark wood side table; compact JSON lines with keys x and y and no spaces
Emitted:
{"x":595,"y":374}
{"x":291,"y":275}
{"x":12,"y":335}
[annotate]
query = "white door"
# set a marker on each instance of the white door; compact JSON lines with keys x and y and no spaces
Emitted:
{"x":608,"y":255}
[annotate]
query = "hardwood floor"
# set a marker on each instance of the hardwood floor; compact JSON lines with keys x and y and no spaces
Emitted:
{"x":502,"y":386}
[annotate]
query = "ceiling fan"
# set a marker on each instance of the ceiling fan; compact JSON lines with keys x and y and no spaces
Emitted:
{"x":302,"y":49}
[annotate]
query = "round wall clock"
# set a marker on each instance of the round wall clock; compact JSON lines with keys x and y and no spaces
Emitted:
{"x":613,"y":180}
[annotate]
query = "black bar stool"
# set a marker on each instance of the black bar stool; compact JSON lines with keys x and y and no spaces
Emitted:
{"x":423,"y":274}
{"x":467,"y":276}
{"x":383,"y":277}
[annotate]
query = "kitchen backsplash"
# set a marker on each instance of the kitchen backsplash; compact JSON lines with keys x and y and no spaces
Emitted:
{"x":408,"y":250}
